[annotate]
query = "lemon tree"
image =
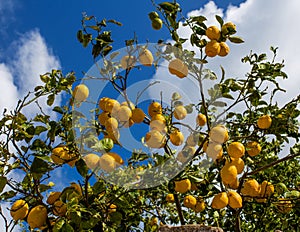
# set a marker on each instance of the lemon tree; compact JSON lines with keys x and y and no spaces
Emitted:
{"x":190,"y":162}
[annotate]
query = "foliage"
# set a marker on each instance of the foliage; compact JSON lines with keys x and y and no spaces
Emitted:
{"x":27,"y":143}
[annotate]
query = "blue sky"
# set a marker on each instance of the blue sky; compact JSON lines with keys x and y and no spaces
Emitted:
{"x":36,"y":36}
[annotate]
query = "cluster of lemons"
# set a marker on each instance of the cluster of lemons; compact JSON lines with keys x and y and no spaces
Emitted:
{"x":217,"y":45}
{"x":233,"y":166}
{"x":37,"y":216}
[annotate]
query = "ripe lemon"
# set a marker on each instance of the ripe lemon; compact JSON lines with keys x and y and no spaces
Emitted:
{"x":81,"y":93}
{"x":153,"y":221}
{"x":154,"y":139}
{"x":220,"y":201}
{"x":219,"y":134}
{"x":77,"y":188}
{"x":214,"y":150}
{"x":158,"y":122}
{"x":224,"y":49}
{"x":128,"y":62}
{"x":228,"y":28}
{"x":251,"y":188}
{"x":233,"y":185}
{"x":154,"y":108}
{"x":130,"y":104}
{"x":234,"y":200}
{"x":102,"y":118}
{"x":212,"y":48}
{"x":238,"y":162}
{"x":91,"y":161}
{"x":180,"y":112}
{"x":124,"y":113}
{"x":213,"y":33}
{"x":266,"y":189}
{"x":53,"y":196}
{"x":264,"y":122}
{"x":107,"y":163}
{"x":236,"y":150}
{"x":178,"y":68}
{"x":61,"y":155}
{"x":157,"y":23}
{"x":19,"y":210}
{"x":112,"y":106}
{"x":112,"y":208}
{"x":253,"y":148}
{"x":176,"y":137}
{"x":201,"y":120}
{"x":59,"y":208}
{"x":199,"y":207}
{"x":228,"y":173}
{"x":189,"y":201}
{"x":102,"y":103}
{"x":182,"y":186}
{"x":111,"y":124}
{"x":146,"y":57}
{"x":116,"y":157}
{"x":138,"y":115}
{"x":37,"y":216}
{"x":170,"y":198}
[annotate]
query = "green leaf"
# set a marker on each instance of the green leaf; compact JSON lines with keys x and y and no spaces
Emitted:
{"x":58,"y":109}
{"x":115,"y":22}
{"x":50,"y":99}
{"x":99,"y":187}
{"x":227,"y":95}
{"x":220,"y":20}
{"x":3,"y":182}
{"x":67,"y":228}
{"x":39,"y":129}
{"x":81,"y":167}
{"x":39,"y":166}
{"x":236,"y":39}
{"x":219,"y":103}
{"x":44,"y":78}
{"x":8,"y":195}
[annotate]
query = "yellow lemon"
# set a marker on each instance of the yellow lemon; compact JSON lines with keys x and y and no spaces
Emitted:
{"x":220,"y":201}
{"x":176,"y":137}
{"x":228,"y":28}
{"x":111,"y":124}
{"x":251,"y":188}
{"x":128,"y":62}
{"x":213,"y":33}
{"x":81,"y":93}
{"x":124,"y":113}
{"x":91,"y":160}
{"x":234,"y":200}
{"x":264,"y":122}
{"x":180,"y":112}
{"x":219,"y":134}
{"x":53,"y":196}
{"x":37,"y":216}
{"x":224,"y":49}
{"x":189,"y":201}
{"x":239,"y":163}
{"x":199,"y":207}
{"x":236,"y":150}
{"x":157,"y":23}
{"x":228,"y":174}
{"x":19,"y":210}
{"x":201,"y":120}
{"x":138,"y":115}
{"x":146,"y":57}
{"x":253,"y":148}
{"x":154,"y":139}
{"x":154,"y":108}
{"x":178,"y":68}
{"x":170,"y":198}
{"x":182,"y":186}
{"x":107,"y":163}
{"x":214,"y":150}
{"x":212,"y":48}
{"x":59,"y":208}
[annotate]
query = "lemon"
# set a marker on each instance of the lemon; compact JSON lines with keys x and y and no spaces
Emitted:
{"x":91,"y":160}
{"x":146,"y":57}
{"x":236,"y":150}
{"x":228,"y":174}
{"x":189,"y":201}
{"x":124,"y":113}
{"x":158,"y":122}
{"x":53,"y":196}
{"x":176,"y":137}
{"x":154,"y":108}
{"x":239,"y":163}
{"x":219,"y":134}
{"x":213,"y":33}
{"x":253,"y":148}
{"x":201,"y":120}
{"x":37,"y":216}
{"x":180,"y":112}
{"x":127,"y":62}
{"x":182,"y":186}
{"x":220,"y":201}
{"x":264,"y":122}
{"x":138,"y":115}
{"x":214,"y":150}
{"x":111,"y":124}
{"x":59,"y":208}
{"x":107,"y":163}
{"x":81,"y":93}
{"x":170,"y":198}
{"x":251,"y":188}
{"x":199,"y":207}
{"x":212,"y":48}
{"x":234,"y":200}
{"x":224,"y":49}
{"x":178,"y":68}
{"x":19,"y":210}
{"x":154,"y":139}
{"x":228,"y":28}
{"x":157,"y":23}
